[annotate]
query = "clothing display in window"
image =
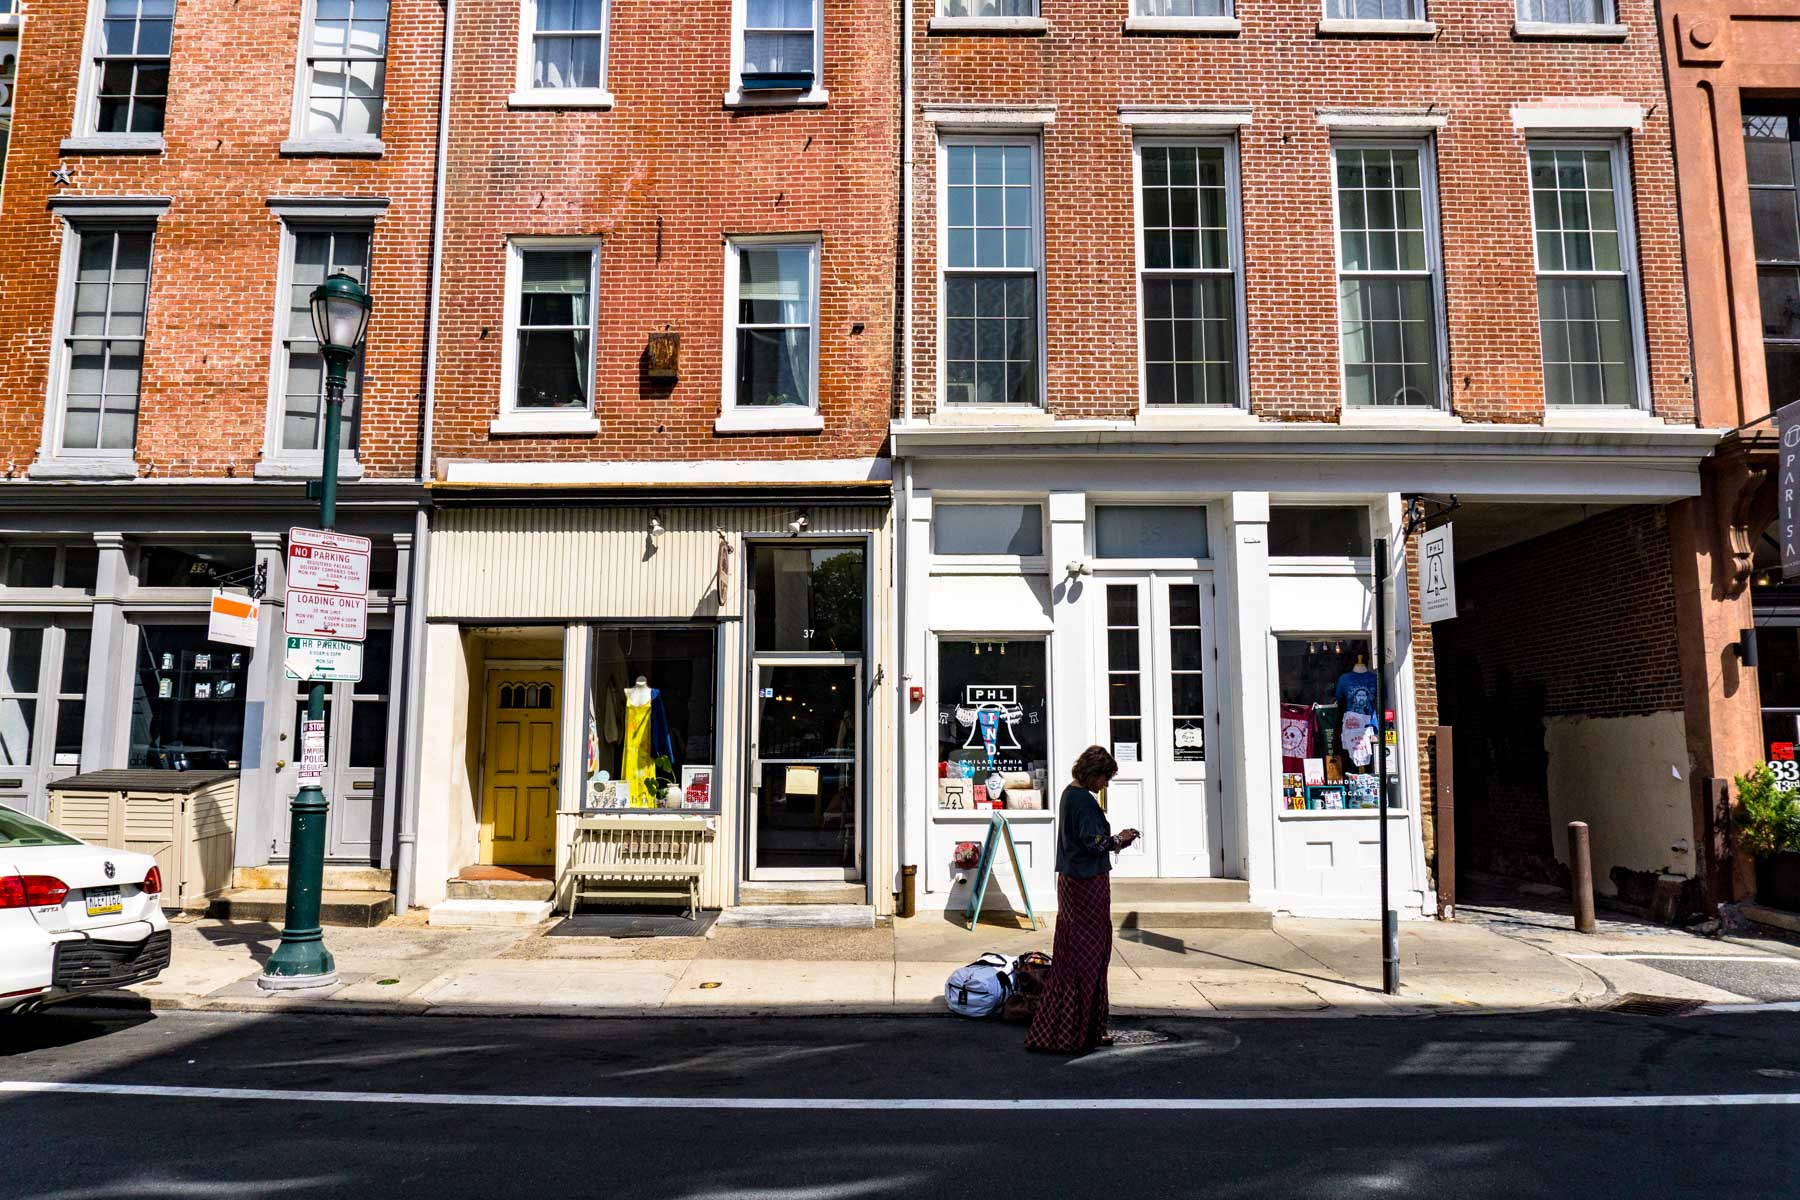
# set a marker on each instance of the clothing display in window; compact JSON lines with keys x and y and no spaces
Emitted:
{"x":1328,"y":722}
{"x":1296,"y":737}
{"x":646,"y":736}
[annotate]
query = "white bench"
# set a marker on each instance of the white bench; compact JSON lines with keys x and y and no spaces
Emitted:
{"x":648,"y":857}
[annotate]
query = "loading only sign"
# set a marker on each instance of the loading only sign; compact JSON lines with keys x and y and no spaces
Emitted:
{"x":327,"y":615}
{"x":328,"y":585}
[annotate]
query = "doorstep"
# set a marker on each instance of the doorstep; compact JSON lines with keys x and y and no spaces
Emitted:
{"x":488,"y":913}
{"x":1771,"y":918}
{"x":1186,"y":904}
{"x":345,"y":908}
{"x":798,"y":916}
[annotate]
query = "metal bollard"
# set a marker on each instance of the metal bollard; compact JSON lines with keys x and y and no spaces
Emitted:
{"x":1581,"y":877}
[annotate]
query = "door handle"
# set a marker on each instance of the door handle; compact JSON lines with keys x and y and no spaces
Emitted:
{"x":280,"y":763}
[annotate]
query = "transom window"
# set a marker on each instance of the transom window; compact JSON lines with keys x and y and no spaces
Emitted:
{"x":1189,"y":276}
{"x":346,"y":68}
{"x":1567,"y":12}
{"x":1584,"y":293}
{"x":567,"y":44}
{"x":131,"y":67}
{"x":1387,"y":281}
{"x":990,"y":273}
{"x":1375,"y":10}
{"x":775,"y":318}
{"x":104,"y":345}
{"x":1772,"y":155}
{"x":780,"y":45}
{"x":552,"y":288}
{"x":315,"y":255}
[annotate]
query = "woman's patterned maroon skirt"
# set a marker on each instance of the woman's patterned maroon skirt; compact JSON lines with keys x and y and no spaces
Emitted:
{"x":1072,"y":1015}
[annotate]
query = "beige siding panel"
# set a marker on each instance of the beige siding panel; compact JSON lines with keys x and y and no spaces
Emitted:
{"x":490,"y":564}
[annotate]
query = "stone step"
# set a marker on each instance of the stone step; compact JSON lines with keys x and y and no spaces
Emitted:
{"x":338,"y":878}
{"x":801,"y":891}
{"x":1141,"y":891}
{"x":486,"y":913}
{"x":1190,"y":914}
{"x":799,"y":916}
{"x":499,"y":889}
{"x":355,"y":908}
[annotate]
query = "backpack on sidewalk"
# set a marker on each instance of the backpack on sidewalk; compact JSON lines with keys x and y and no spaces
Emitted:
{"x":1029,"y":979}
{"x":980,"y":989}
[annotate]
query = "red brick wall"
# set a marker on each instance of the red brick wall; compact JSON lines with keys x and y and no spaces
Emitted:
{"x":1472,"y":71}
{"x":663,"y":178}
{"x":213,"y":304}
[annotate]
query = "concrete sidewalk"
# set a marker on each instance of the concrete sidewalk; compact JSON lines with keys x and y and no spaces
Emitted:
{"x":1317,"y":967}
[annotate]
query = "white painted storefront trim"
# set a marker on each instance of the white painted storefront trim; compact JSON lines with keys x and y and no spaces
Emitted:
{"x":708,"y":473}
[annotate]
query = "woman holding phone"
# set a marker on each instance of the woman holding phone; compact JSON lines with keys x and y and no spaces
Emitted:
{"x":1071,"y":1018}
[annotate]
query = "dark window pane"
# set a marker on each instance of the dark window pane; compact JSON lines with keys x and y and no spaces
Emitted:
{"x":368,"y":733}
{"x":187,"y":704}
{"x":80,"y":568}
{"x":809,"y":598}
{"x":1318,"y":532}
{"x":1773,"y":224}
{"x":1778,"y":667}
{"x":378,"y":654}
{"x":1768,"y":148}
{"x":31,"y":566}
{"x":17,"y":718}
{"x":992,"y":713}
{"x":76,"y":643}
{"x":194,"y":566}
{"x":24,"y":653}
{"x":70,"y":714}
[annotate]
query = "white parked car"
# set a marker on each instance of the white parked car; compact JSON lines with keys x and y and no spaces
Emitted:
{"x":74,"y":918}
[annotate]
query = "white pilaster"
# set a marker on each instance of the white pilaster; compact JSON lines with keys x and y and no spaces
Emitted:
{"x":1250,"y":698}
{"x":1074,"y":719}
{"x":918,"y":732}
{"x":572,"y":776}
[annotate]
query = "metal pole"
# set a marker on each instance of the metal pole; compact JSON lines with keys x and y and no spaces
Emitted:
{"x":1390,"y":921}
{"x":1581,"y":881}
{"x":301,"y":960}
{"x":1443,"y":773}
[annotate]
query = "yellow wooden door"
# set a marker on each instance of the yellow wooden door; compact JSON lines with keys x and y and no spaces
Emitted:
{"x":519,"y":768}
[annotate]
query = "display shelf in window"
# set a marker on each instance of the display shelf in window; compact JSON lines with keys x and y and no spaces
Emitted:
{"x":1329,"y":725}
{"x":651,"y":721}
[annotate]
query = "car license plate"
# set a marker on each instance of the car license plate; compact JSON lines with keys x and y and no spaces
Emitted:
{"x":101,"y":902}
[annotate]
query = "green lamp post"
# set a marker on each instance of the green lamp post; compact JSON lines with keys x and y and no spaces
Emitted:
{"x":340,"y":316}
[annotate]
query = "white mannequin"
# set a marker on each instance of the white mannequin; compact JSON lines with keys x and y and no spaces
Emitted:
{"x":1360,"y":665}
{"x":638,"y":694}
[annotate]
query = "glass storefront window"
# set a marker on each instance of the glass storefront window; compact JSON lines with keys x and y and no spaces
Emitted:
{"x":187,"y":704}
{"x":673,"y":744}
{"x":809,"y":599}
{"x":993,"y":723}
{"x":1150,"y":531}
{"x":1318,"y":531}
{"x":1329,"y":724}
{"x":194,"y":566}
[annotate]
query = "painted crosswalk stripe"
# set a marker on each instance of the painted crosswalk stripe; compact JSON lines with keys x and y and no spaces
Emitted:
{"x":902,"y":1104}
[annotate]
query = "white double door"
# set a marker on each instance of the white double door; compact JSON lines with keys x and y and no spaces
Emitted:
{"x":1155,"y":665}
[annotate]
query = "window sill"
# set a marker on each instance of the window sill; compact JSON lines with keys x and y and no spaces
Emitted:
{"x":990,"y":26}
{"x":1351,"y":27}
{"x":981,"y":816}
{"x":1215,"y":26}
{"x":1568,"y":32}
{"x":561,"y":98}
{"x":787,"y":419}
{"x":333,"y":147}
{"x":579,"y":422}
{"x":114,"y":143}
{"x":818,"y":97}
{"x":83,"y":468}
{"x":1195,"y":416}
{"x":1594,"y":416}
{"x":1020,"y":415}
{"x":295,"y":467}
{"x":1397,"y":417}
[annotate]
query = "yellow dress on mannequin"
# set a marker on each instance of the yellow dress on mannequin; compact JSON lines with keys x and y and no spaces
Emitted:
{"x":639,"y":767}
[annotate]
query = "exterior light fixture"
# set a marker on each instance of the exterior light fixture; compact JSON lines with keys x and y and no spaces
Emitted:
{"x":340,"y":315}
{"x":1077,"y":568}
{"x":799,"y":525}
{"x":656,"y":527}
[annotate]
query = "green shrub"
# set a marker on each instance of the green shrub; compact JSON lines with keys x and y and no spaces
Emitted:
{"x":1768,"y":817}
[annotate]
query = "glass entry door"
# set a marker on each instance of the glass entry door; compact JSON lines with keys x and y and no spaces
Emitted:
{"x":806,"y":770}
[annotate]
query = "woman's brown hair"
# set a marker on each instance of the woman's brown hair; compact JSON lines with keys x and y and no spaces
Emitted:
{"x":1094,"y":763}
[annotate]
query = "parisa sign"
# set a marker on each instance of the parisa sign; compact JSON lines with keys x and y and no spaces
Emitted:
{"x":1437,"y":575}
{"x":1787,"y":428}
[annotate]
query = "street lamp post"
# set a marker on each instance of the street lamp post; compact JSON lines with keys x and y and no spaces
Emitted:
{"x":340,"y":316}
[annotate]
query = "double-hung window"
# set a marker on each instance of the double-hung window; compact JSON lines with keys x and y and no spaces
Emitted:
{"x":1187,"y":213}
{"x":103,"y":340}
{"x":772,"y":332}
{"x":1388,"y":299}
{"x":1375,"y":10}
{"x":1181,"y":8}
{"x":988,"y":8}
{"x":562,"y":51}
{"x":548,"y":368}
{"x":1566,"y":12}
{"x":345,"y":70}
{"x":777,"y":52}
{"x":1772,"y":156}
{"x":990,"y":250}
{"x":1586,"y":305}
{"x":127,"y":88}
{"x":314,"y":254}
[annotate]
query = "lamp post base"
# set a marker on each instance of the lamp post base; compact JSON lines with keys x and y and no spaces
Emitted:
{"x":298,"y":983}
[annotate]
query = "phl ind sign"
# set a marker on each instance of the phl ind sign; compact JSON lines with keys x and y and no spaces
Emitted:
{"x":1787,"y":427}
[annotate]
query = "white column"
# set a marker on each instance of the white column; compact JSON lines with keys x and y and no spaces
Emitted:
{"x":1074,"y":718}
{"x":572,"y":774}
{"x":918,"y":731}
{"x":106,"y":726}
{"x":262,"y":809}
{"x":1249,"y":697}
{"x":1406,"y":845}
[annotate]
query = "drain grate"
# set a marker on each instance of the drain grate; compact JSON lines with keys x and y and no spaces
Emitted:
{"x":1653,"y":1006}
{"x":1140,"y":1037}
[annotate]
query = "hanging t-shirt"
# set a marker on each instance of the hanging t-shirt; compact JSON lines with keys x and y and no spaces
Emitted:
{"x":1296,"y":737}
{"x":1359,"y":738}
{"x":1356,"y":692}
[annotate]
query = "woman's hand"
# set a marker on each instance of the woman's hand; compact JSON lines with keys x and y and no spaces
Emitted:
{"x":1127,"y":837}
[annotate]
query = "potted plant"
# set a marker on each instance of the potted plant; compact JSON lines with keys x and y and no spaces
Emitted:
{"x":1768,"y":826}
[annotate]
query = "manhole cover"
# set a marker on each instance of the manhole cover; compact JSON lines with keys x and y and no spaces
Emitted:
{"x":1653,"y":1006}
{"x":1139,"y":1037}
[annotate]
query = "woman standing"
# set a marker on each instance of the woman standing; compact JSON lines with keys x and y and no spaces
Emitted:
{"x":1071,"y":1018}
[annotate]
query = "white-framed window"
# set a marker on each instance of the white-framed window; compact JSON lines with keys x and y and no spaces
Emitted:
{"x":777,"y":52}
{"x":1588,"y":302}
{"x":312,"y":252}
{"x":987,"y":529}
{"x":1389,"y":283}
{"x":547,"y":367}
{"x":343,"y":71}
{"x":1190,"y":287}
{"x":124,"y":89}
{"x":563,"y":47}
{"x":102,"y":344}
{"x":771,"y":359}
{"x":991,"y":245}
{"x":988,"y":8}
{"x":1567,"y":12}
{"x":1375,"y":10}
{"x":1182,"y":8}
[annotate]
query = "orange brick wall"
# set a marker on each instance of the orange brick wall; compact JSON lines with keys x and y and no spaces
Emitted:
{"x":1473,"y":71}
{"x":663,"y":178}
{"x":212,"y":304}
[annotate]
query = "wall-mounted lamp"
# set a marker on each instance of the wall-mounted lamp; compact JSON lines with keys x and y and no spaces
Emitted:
{"x":799,"y":525}
{"x":656,"y":528}
{"x":1077,"y":568}
{"x":1745,"y":647}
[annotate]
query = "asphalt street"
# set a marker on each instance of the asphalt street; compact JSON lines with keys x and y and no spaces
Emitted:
{"x":91,"y":1105}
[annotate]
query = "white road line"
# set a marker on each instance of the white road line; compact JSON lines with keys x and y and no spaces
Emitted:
{"x":1732,"y":958}
{"x":926,"y":1104}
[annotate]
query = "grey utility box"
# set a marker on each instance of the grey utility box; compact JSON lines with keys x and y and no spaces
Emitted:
{"x":186,"y":819}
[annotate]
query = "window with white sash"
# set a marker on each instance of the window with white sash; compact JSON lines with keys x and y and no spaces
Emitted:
{"x":990,"y":251}
{"x":563,"y":48}
{"x":344,"y":69}
{"x":772,"y":334}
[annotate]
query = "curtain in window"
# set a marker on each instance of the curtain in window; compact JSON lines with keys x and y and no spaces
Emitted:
{"x":554,"y":323}
{"x":778,"y":37}
{"x":775,"y":325}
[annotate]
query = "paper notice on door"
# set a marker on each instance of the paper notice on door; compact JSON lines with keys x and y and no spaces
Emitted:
{"x":802,"y":781}
{"x":1125,"y":751}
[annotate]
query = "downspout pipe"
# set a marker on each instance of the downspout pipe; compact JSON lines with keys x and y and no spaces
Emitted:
{"x":903,"y":477}
{"x":406,"y":851}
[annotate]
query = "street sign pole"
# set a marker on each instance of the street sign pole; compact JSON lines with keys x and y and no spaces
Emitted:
{"x":1390,"y":920}
{"x":301,"y":960}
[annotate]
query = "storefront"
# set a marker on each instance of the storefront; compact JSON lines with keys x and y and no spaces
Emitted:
{"x":719,"y":663}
